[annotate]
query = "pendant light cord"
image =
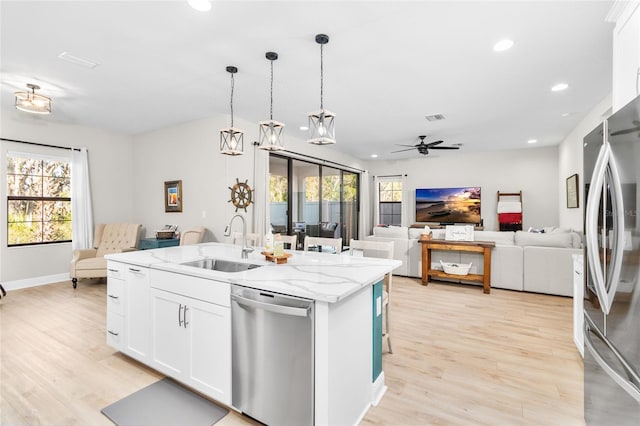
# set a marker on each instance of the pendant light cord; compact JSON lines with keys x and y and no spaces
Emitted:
{"x":232,"y":81}
{"x":271,"y":93}
{"x":321,"y":78}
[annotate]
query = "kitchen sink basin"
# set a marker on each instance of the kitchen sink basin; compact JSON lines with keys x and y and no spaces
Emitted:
{"x":221,"y":265}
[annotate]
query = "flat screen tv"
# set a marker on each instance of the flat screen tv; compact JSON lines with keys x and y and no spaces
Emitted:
{"x":448,"y":205}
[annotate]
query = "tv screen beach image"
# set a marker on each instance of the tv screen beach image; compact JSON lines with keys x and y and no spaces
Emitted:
{"x":450,"y":205}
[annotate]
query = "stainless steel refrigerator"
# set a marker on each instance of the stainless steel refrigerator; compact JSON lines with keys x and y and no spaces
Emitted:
{"x":612,"y":260}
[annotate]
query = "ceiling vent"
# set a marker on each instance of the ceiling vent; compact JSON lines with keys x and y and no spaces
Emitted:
{"x":435,"y":117}
{"x":65,"y":56}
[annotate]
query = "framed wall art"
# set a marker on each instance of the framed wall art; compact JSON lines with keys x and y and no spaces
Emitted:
{"x":572,"y":191}
{"x":173,"y":196}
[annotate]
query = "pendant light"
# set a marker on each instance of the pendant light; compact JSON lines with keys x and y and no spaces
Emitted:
{"x":321,"y":123}
{"x":271,"y":137}
{"x":32,"y":102}
{"x":232,"y":139}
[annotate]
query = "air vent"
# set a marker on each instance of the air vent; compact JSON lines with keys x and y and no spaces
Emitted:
{"x":65,"y":56}
{"x":435,"y":117}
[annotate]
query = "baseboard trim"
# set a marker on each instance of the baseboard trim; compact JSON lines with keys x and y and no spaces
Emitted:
{"x":378,"y":389}
{"x":34,"y":282}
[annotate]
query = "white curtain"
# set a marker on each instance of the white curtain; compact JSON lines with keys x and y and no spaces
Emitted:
{"x":81,"y":210}
{"x":366,"y":206}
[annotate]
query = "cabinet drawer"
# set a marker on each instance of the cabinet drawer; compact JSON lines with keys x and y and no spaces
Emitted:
{"x":115,"y":296}
{"x":115,"y":330}
{"x":198,"y":288}
{"x":115,"y":269}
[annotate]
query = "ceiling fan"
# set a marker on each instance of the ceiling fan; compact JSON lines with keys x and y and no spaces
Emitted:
{"x":423,"y":148}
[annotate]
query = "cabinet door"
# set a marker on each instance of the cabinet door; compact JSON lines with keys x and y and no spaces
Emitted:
{"x":626,"y":57}
{"x":138,"y":317}
{"x":170,"y":340}
{"x":209,"y":329}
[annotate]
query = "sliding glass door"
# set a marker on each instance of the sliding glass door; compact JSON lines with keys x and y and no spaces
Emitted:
{"x":318,"y":201}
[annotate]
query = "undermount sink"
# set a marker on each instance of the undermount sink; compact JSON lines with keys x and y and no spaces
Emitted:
{"x":221,"y":265}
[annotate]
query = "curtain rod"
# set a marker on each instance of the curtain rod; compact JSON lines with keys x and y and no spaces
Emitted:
{"x":342,"y":166}
{"x":39,"y":144}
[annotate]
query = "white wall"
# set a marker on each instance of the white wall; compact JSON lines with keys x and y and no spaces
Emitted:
{"x":111,"y":167}
{"x":191,"y":152}
{"x":570,"y":162}
{"x":532,"y":170}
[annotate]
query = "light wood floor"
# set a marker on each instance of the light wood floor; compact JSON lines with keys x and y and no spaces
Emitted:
{"x":460,"y":358}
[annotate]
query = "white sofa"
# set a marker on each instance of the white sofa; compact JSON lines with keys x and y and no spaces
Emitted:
{"x":523,"y":261}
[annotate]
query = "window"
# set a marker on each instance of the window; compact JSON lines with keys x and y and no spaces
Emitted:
{"x":390,"y":202}
{"x":38,"y":200}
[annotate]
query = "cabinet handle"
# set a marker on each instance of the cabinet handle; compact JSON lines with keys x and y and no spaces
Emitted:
{"x":113,"y":297}
{"x":180,"y":315}
{"x":112,"y":333}
{"x":135,"y":270}
{"x":185,"y":316}
{"x":113,"y":270}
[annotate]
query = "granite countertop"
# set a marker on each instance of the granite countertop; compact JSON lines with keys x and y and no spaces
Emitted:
{"x":319,"y":276}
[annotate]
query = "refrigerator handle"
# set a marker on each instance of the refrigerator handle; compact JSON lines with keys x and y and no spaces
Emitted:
{"x":617,"y":252}
{"x":591,"y":224}
{"x":627,"y":385}
{"x":605,"y":296}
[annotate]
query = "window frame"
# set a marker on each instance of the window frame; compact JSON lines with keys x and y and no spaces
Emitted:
{"x":40,"y":199}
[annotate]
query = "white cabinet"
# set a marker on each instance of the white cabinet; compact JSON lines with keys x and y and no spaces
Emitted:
{"x":191,"y":337}
{"x":578,"y":302}
{"x":128,"y":312}
{"x":626,"y":55}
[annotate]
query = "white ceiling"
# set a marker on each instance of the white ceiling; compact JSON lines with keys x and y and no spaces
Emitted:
{"x":387,"y":65}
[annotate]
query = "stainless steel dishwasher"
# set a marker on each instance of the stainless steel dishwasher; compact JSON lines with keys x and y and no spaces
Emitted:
{"x":273,"y":356}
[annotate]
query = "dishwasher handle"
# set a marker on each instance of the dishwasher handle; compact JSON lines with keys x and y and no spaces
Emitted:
{"x":278,"y":309}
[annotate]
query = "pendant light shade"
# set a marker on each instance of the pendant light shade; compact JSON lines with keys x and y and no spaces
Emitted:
{"x":322,"y":123}
{"x":271,"y":132}
{"x":231,"y":139}
{"x":32,"y":102}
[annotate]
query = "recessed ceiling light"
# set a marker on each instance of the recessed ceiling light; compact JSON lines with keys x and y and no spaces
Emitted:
{"x":374,"y":155}
{"x":303,"y":128}
{"x":503,"y":45}
{"x":565,"y":114}
{"x":200,"y":5}
{"x":560,"y":87}
{"x":532,"y":141}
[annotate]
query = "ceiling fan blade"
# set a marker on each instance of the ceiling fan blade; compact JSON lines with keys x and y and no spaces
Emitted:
{"x":444,"y":147}
{"x":434,"y":143}
{"x":412,"y":146}
{"x":403,"y":150}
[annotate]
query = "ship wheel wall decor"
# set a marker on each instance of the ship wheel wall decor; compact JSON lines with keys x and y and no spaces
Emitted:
{"x":241,"y":195}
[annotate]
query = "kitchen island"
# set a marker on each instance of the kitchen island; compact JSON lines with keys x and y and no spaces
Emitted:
{"x":176,"y":318}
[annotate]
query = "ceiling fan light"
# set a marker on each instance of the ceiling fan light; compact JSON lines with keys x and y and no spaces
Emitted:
{"x":322,"y":128}
{"x":32,"y":102}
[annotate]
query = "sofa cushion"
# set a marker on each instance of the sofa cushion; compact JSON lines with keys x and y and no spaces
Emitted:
{"x":559,"y":239}
{"x":391,"y":232}
{"x":504,"y":238}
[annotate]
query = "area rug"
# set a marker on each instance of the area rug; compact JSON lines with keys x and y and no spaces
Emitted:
{"x":164,"y":403}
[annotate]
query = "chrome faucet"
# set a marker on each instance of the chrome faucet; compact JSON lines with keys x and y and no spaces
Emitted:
{"x":227,"y":232}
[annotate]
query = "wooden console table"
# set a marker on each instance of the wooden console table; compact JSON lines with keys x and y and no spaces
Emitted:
{"x":484,"y":247}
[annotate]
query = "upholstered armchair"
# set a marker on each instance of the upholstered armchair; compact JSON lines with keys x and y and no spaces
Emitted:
{"x":108,"y":238}
{"x":192,"y":236}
